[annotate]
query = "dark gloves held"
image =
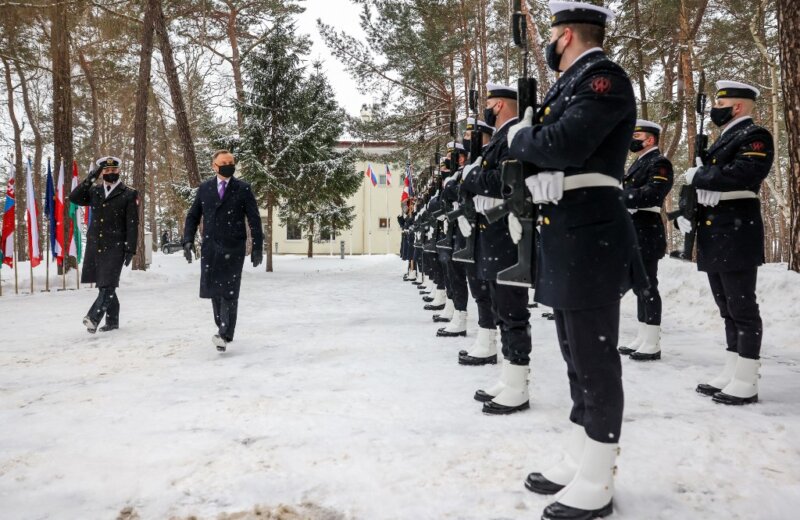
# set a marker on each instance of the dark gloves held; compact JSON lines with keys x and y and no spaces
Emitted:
{"x":128,"y":259}
{"x":187,"y":251}
{"x":256,"y":257}
{"x":94,"y":173}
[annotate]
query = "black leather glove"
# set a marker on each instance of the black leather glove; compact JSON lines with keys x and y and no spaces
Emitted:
{"x":187,"y":251}
{"x":128,"y":259}
{"x":94,"y":173}
{"x":256,"y":257}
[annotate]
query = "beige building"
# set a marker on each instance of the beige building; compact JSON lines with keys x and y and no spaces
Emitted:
{"x":374,"y":230}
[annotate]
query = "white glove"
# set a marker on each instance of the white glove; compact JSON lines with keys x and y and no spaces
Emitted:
{"x":418,"y":236}
{"x":708,"y":198}
{"x":546,"y":187}
{"x":442,"y":217}
{"x":468,"y":169}
{"x":514,"y":228}
{"x":688,"y":177}
{"x":527,"y":122}
{"x":684,"y":225}
{"x":464,"y":226}
{"x":632,"y":211}
{"x":445,"y":225}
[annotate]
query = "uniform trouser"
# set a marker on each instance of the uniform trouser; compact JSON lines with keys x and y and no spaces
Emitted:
{"x":106,"y":304}
{"x":457,"y":274}
{"x":225,"y":316}
{"x":483,"y":298}
{"x":735,"y":294}
{"x":510,"y":306}
{"x":436,"y":271}
{"x":588,"y":340}
{"x":444,"y":260}
{"x":648,"y":301}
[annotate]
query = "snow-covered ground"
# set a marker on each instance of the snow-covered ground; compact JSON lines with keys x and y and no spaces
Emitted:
{"x":337,"y":395}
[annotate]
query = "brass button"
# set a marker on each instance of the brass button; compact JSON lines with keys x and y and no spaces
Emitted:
{"x":546,"y":220}
{"x":708,"y":222}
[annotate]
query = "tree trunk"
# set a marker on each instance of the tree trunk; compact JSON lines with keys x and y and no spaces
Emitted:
{"x":33,"y":120}
{"x":140,"y":122}
{"x":182,"y":122}
{"x":86,"y":67}
{"x":236,"y":65}
{"x":20,"y":240}
{"x":62,"y":91}
{"x":640,"y":59}
{"x":310,"y":252}
{"x":789,"y":29}
{"x":268,"y":233}
{"x":151,"y":205}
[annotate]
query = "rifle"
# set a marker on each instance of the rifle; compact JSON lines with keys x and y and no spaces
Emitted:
{"x":687,"y":199}
{"x":514,"y":172}
{"x":447,"y":242}
{"x":466,"y":204}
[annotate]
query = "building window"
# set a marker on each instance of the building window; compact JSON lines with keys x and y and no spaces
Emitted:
{"x":293,"y":230}
{"x":383,"y":223}
{"x":326,"y":234}
{"x":382,"y":180}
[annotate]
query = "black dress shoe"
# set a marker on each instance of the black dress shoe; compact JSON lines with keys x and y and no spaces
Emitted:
{"x":482,"y":397}
{"x":430,"y":307}
{"x":533,"y":305}
{"x":558,"y":511}
{"x":538,"y":483}
{"x":626,"y":351}
{"x":708,"y":390}
{"x":638,"y":356}
{"x":466,"y":359}
{"x":438,"y":318}
{"x":416,"y":283}
{"x":89,"y":323}
{"x":723,"y":398}
{"x":492,"y":408}
{"x":109,"y":326}
{"x":444,"y":334}
{"x":427,"y":299}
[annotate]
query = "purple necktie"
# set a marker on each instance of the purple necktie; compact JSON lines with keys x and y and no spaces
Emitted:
{"x":222,"y":189}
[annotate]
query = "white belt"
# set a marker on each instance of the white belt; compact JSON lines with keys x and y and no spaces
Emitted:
{"x":654,"y":209}
{"x":590,"y":180}
{"x":735,"y":195}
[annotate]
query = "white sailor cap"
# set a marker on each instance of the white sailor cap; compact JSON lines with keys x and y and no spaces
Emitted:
{"x":470,"y":123}
{"x":643,"y":125}
{"x":485,"y":128}
{"x":736,"y":89}
{"x":452,"y":145}
{"x":579,"y":12}
{"x":496,"y":90}
{"x":109,"y":161}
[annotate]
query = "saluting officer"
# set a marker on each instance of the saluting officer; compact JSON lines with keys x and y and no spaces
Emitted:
{"x":494,"y":252}
{"x":730,"y":235}
{"x":110,"y":240}
{"x":587,"y":245}
{"x":646,"y":185}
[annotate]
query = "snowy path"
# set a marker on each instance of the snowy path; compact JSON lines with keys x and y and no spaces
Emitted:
{"x":335,"y":392}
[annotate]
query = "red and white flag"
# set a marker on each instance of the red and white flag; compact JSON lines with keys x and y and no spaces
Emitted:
{"x":32,"y":214}
{"x":59,"y":250}
{"x":388,"y":176}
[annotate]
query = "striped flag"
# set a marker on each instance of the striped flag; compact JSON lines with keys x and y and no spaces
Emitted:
{"x":32,"y":215}
{"x":408,"y":184}
{"x":371,"y":175}
{"x":9,"y":221}
{"x":50,"y":208}
{"x":388,"y":176}
{"x":75,"y":245}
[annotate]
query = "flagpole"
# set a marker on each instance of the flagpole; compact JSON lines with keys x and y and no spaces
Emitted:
{"x":369,"y":223}
{"x":388,"y":222}
{"x":49,"y":233}
{"x":64,"y":246}
{"x":16,"y":275}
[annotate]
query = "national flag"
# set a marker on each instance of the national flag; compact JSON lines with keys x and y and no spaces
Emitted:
{"x":371,"y":175}
{"x":59,"y":204}
{"x":75,"y":244}
{"x":408,"y":184}
{"x":50,"y":208}
{"x":9,"y":221}
{"x":32,"y":215}
{"x":388,"y":176}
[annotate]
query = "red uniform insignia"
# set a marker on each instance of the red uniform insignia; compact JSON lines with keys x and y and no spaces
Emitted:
{"x":757,"y":146}
{"x":601,"y":84}
{"x":662,"y":171}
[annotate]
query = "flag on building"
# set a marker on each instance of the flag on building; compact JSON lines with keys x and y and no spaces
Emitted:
{"x":32,"y":215}
{"x":59,"y":205}
{"x":9,"y":220}
{"x":50,"y":209}
{"x":371,"y":175}
{"x":75,"y":242}
{"x":388,"y":176}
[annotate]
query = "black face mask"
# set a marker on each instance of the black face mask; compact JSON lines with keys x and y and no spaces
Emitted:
{"x":489,"y":117}
{"x":111,"y":178}
{"x":447,"y":164}
{"x":226,"y":170}
{"x":553,"y":56}
{"x":467,"y":143}
{"x":721,"y":116}
{"x":637,"y":145}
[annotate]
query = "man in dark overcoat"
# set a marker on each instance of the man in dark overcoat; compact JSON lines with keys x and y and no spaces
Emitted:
{"x":222,"y":203}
